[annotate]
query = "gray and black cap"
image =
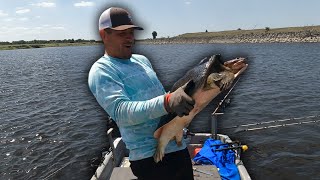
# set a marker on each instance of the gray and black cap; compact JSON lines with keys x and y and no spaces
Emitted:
{"x":117,"y":19}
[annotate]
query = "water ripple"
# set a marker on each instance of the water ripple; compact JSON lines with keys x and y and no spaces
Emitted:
{"x":52,"y":127}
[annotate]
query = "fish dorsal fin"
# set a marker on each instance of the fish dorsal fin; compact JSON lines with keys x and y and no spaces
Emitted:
{"x":204,"y":60}
{"x":214,"y":62}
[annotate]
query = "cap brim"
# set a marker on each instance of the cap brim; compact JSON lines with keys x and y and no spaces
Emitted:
{"x":124,"y":27}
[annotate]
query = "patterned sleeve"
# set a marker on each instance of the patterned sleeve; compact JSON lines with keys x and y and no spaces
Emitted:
{"x":109,"y":91}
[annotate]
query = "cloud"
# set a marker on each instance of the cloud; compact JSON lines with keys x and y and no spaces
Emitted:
{"x":16,"y":33}
{"x":22,"y":11}
{"x":32,"y":30}
{"x":9,"y":19}
{"x":84,"y":4}
{"x":24,"y":19}
{"x":45,"y":4}
{"x":19,"y":28}
{"x":58,"y":28}
{"x":3,"y":14}
{"x":51,"y":27}
{"x":188,"y":3}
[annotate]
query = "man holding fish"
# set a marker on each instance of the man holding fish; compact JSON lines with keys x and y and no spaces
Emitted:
{"x":127,"y":88}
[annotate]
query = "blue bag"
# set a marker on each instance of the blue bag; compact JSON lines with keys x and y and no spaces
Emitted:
{"x":223,"y":160}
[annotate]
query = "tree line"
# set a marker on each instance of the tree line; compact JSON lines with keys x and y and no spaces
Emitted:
{"x":48,"y":41}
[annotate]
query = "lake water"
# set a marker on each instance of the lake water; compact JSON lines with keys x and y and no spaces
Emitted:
{"x":52,"y":127}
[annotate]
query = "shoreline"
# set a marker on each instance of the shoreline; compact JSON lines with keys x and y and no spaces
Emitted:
{"x":228,"y":41}
{"x":32,"y":46}
{"x":242,"y":38}
{"x":270,"y":38}
{"x":307,"y":34}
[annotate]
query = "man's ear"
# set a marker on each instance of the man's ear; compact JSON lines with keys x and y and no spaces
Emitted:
{"x":102,"y":33}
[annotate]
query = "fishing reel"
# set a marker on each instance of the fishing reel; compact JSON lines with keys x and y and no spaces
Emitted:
{"x":234,"y":145}
{"x":187,"y":133}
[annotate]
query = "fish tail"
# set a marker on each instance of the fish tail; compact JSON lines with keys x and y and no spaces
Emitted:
{"x":159,"y":154}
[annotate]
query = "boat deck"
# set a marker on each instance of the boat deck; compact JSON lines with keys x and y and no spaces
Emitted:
{"x":200,"y":172}
{"x":116,"y":165}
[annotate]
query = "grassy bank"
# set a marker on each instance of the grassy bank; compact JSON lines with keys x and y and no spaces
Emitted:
{"x":28,"y":46}
{"x":267,"y":35}
{"x":231,"y":33}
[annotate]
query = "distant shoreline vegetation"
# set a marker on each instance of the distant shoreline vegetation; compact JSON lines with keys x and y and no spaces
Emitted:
{"x":46,"y":43}
{"x":306,"y":34}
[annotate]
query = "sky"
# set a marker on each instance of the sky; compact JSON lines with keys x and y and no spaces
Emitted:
{"x":78,"y":19}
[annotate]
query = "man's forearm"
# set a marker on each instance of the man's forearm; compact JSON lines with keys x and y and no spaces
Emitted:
{"x":136,"y":112}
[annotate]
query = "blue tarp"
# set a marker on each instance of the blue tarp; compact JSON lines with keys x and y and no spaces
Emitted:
{"x":224,"y":160}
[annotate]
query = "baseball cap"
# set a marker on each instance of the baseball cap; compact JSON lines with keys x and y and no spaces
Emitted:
{"x":117,"y":19}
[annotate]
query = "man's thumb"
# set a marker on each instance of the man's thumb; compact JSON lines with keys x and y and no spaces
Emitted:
{"x":188,"y":87}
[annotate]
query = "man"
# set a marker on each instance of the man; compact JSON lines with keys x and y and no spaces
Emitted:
{"x":127,"y":88}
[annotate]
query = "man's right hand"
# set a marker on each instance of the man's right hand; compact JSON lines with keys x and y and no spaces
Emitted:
{"x":179,"y":102}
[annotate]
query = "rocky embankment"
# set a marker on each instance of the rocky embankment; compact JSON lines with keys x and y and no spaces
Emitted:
{"x":266,"y":37}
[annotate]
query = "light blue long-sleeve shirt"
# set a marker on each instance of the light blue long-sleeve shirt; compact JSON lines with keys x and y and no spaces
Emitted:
{"x":130,"y":92}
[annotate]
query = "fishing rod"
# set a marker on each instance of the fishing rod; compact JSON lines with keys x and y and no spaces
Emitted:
{"x":242,"y":147}
{"x":215,"y":113}
{"x":273,"y":124}
{"x":225,"y":97}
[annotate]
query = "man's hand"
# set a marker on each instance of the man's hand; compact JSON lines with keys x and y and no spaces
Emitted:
{"x":179,"y":102}
{"x":235,"y":64}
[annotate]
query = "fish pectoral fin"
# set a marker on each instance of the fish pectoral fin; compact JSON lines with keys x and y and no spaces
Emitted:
{"x":179,"y":137}
{"x":227,"y":80}
{"x":213,"y":81}
{"x":215,"y":76}
{"x":157,"y":133}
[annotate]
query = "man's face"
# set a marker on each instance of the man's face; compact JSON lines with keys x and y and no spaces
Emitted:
{"x":119,"y":43}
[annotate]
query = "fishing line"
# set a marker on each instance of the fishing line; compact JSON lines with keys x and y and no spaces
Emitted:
{"x":56,"y":171}
{"x":258,"y":125}
{"x":273,"y":124}
{"x":59,"y":169}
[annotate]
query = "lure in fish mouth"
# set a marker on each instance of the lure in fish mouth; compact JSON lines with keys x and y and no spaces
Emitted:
{"x":204,"y":82}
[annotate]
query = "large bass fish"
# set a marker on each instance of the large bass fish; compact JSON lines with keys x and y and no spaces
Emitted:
{"x":204,"y":83}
